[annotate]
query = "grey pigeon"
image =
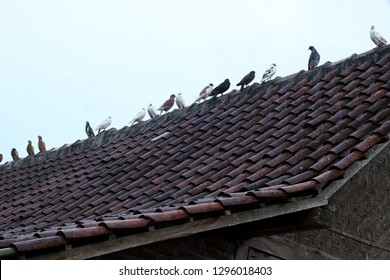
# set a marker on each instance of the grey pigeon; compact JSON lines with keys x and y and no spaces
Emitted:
{"x":314,"y":58}
{"x":247,"y":79}
{"x":221,"y":88}
{"x":89,"y":130}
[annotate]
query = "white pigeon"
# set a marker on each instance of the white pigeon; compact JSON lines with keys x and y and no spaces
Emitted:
{"x":377,"y":38}
{"x":204,"y":93}
{"x":152,"y":111}
{"x":103,"y":125}
{"x":138,"y":118}
{"x":269,"y":73}
{"x":180,"y":101}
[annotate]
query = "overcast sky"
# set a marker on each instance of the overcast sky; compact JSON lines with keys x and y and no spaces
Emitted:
{"x":65,"y":62}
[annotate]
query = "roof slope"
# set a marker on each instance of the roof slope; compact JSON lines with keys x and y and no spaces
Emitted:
{"x":290,"y":137}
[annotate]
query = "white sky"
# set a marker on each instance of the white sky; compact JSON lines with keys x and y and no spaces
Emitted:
{"x":65,"y":62}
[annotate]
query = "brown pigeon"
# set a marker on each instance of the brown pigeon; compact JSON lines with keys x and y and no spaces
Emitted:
{"x":41,"y":144}
{"x":30,"y":148}
{"x":167,"y":105}
{"x":1,"y":157}
{"x":14,"y":154}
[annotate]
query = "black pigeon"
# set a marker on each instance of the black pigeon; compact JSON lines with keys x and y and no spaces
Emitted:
{"x":314,"y":58}
{"x":221,"y":88}
{"x":247,"y":80}
{"x":89,"y":130}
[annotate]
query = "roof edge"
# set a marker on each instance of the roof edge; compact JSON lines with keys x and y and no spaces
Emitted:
{"x":182,"y":230}
{"x":355,"y":168}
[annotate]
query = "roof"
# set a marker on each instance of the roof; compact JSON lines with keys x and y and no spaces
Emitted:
{"x":270,"y":144}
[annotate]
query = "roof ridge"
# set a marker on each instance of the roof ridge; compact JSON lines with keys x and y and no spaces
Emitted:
{"x":109,"y":135}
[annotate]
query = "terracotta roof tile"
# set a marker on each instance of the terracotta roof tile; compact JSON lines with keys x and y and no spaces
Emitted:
{"x":289,"y":137}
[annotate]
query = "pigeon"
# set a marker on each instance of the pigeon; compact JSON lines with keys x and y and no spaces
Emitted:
{"x":89,"y":130}
{"x":167,"y":105}
{"x":269,"y":73}
{"x":138,"y":118}
{"x":180,"y":101}
{"x":30,"y":148}
{"x":14,"y":154}
{"x":220,"y":89}
{"x":204,"y":93}
{"x":247,"y":79}
{"x":1,"y":157}
{"x":314,"y":58}
{"x":152,"y":111}
{"x":103,"y":125}
{"x":41,"y":144}
{"x":377,"y":38}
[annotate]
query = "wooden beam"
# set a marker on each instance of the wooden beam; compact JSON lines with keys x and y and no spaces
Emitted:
{"x":182,"y":230}
{"x":285,"y":249}
{"x":317,"y":218}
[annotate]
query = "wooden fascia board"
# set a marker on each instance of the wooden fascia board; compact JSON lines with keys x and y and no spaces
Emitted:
{"x":135,"y":240}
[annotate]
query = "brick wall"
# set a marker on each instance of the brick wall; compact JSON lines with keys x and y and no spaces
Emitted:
{"x":362,"y":216}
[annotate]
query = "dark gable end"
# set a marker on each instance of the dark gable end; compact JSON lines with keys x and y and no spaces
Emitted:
{"x":274,"y":149}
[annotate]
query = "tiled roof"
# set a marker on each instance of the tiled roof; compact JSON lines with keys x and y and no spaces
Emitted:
{"x":288,"y":138}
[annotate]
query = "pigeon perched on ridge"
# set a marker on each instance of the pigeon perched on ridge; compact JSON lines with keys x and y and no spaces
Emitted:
{"x":30,"y":148}
{"x":14,"y":154}
{"x":377,"y":38}
{"x":220,"y":89}
{"x":89,"y":130}
{"x":314,"y":58}
{"x":247,"y":79}
{"x":152,"y":111}
{"x":268,"y":73}
{"x":180,"y":101}
{"x":103,"y":125}
{"x":167,"y":105}
{"x":205,"y":92}
{"x":41,"y":144}
{"x":138,"y":118}
{"x":1,"y":157}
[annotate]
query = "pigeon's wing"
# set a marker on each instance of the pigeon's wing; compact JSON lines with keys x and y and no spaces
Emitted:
{"x":314,"y":59}
{"x":204,"y":90}
{"x":380,"y":38}
{"x":266,"y":74}
{"x":180,"y":102}
{"x":138,"y":117}
{"x":152,"y":111}
{"x":104,"y":124}
{"x":210,"y":89}
{"x":243,"y":80}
